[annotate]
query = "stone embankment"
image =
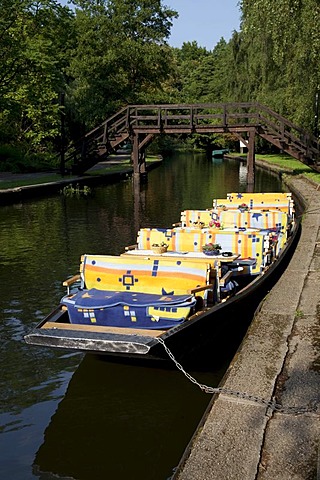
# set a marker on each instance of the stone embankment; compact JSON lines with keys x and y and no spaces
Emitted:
{"x":279,"y":359}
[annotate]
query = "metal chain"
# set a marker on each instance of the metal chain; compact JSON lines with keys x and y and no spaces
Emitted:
{"x":274,"y":406}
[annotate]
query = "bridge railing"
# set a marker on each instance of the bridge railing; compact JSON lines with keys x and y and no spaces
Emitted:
{"x":100,"y":135}
{"x":192,"y":116}
{"x":160,"y":117}
{"x":189,"y":118}
{"x":288,"y":132}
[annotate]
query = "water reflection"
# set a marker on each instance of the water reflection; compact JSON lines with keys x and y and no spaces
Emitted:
{"x":119,"y":421}
{"x":22,"y":427}
{"x":242,"y":176}
{"x":40,"y":245}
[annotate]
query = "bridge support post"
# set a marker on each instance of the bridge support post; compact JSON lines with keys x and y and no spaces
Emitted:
{"x":251,"y":160}
{"x":142,"y":161}
{"x":135,"y":154}
{"x":138,"y":156}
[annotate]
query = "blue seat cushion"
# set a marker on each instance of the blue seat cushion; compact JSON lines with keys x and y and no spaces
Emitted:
{"x":128,"y":309}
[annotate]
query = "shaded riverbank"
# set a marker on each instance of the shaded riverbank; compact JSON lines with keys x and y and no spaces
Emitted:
{"x":35,"y":185}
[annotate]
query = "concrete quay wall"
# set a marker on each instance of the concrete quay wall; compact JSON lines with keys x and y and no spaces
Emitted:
{"x":279,"y":359}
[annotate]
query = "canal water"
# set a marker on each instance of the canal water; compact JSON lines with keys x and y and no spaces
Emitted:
{"x":72,"y":416}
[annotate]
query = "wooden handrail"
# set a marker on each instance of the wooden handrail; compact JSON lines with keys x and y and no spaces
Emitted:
{"x":208,"y":117}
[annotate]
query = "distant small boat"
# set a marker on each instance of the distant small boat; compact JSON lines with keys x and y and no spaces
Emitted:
{"x":176,"y":286}
{"x":219,"y":153}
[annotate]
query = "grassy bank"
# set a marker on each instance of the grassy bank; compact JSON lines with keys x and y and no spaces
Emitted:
{"x":20,"y":180}
{"x":286,"y":164}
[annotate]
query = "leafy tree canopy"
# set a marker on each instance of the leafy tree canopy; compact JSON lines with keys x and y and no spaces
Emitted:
{"x":122,"y":54}
{"x":34,"y":38}
{"x":280,"y":43}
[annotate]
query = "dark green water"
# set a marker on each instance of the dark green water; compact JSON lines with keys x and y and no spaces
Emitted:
{"x":70,"y":416}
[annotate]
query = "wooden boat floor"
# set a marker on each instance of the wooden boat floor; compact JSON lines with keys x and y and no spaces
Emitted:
{"x":102,"y":329}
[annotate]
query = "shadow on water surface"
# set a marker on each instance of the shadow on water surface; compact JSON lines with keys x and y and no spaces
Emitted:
{"x":122,"y":421}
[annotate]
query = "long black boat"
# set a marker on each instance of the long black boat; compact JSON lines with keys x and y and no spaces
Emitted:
{"x":132,"y":319}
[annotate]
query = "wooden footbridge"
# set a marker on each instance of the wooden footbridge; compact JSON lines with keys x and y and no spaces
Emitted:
{"x":139,"y":124}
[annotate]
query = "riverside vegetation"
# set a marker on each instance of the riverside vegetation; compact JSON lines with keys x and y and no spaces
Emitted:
{"x":65,"y":69}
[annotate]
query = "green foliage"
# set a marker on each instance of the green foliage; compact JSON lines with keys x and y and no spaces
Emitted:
{"x":121,"y":55}
{"x":76,"y":191}
{"x":204,"y":76}
{"x":105,"y":54}
{"x":10,"y":159}
{"x":278,"y":56}
{"x":34,"y":38}
{"x":165,"y":144}
{"x":188,"y":59}
{"x":13,"y":159}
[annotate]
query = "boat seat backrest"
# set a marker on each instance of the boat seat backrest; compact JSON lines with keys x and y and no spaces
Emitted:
{"x":181,"y":239}
{"x":143,"y":275}
{"x":190,"y":218}
{"x":278,"y":201}
{"x":272,"y":219}
{"x":150,"y":236}
{"x":246,"y":244}
{"x":177,"y":239}
{"x":221,"y":204}
{"x":261,"y":196}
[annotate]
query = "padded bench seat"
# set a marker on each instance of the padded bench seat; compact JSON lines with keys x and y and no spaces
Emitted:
{"x":136,"y":292}
{"x":128,"y":309}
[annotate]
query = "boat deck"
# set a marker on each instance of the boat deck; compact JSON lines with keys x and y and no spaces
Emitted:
{"x":102,"y":329}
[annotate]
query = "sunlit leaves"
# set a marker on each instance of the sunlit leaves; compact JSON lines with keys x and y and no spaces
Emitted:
{"x":280,"y":43}
{"x":34,"y":39}
{"x":121,"y":55}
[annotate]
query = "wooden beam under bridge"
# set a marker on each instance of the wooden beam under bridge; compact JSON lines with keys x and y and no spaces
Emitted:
{"x":138,"y":154}
{"x":251,"y":157}
{"x":251,"y":164}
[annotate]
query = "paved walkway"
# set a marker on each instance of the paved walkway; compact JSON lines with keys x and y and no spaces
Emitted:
{"x":17,"y":177}
{"x":111,"y":161}
{"x":280,"y":357}
{"x":44,"y":187}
